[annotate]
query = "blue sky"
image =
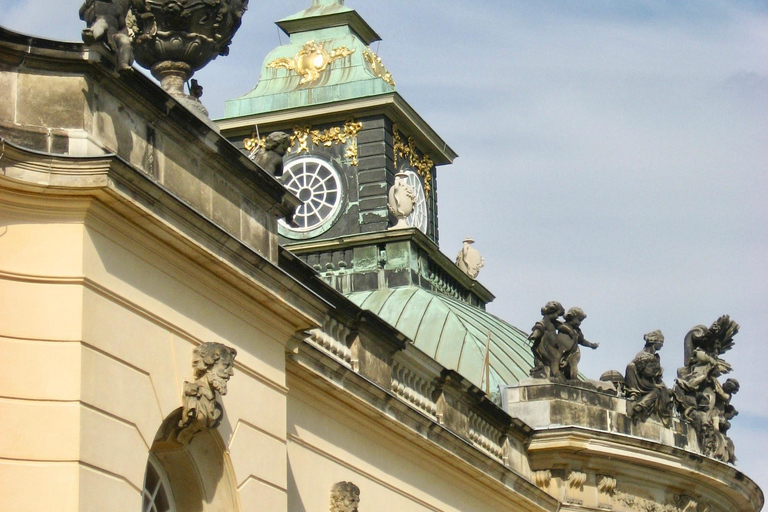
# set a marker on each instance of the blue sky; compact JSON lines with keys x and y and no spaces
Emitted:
{"x":613,"y":155}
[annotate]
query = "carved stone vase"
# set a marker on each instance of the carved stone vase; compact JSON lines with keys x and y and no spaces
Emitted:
{"x":402,"y":200}
{"x":175,"y":38}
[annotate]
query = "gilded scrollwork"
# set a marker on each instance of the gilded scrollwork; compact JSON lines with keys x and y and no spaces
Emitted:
{"x":407,"y":149}
{"x":302,"y":135}
{"x":311,"y":60}
{"x":378,"y":67}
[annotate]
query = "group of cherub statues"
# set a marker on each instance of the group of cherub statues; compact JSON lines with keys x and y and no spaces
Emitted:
{"x":698,"y":397}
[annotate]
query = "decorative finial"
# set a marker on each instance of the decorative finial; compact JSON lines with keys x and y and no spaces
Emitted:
{"x":402,"y":199}
{"x":170,"y":38}
{"x":469,"y":260}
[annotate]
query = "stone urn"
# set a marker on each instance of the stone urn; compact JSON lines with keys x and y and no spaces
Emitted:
{"x":175,"y":38}
{"x":469,"y":259}
{"x":402,"y":199}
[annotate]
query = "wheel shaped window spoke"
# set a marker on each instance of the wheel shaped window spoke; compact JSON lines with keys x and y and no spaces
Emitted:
{"x":419,"y":217}
{"x":317,"y":184}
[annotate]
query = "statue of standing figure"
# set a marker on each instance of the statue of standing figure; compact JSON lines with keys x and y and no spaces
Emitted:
{"x":645,"y":390}
{"x":701,"y":399}
{"x":556,"y":343}
{"x":106,"y":21}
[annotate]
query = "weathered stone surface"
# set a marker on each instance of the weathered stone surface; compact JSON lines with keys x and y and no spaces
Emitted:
{"x":51,"y":101}
{"x":8,"y":102}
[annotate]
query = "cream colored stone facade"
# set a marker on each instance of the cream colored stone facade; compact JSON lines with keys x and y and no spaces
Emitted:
{"x":131,"y":232}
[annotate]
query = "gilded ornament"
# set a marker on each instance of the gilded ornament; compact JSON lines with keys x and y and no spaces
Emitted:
{"x":312,"y":60}
{"x":327,"y":138}
{"x":422,"y":165}
{"x":378,"y":67}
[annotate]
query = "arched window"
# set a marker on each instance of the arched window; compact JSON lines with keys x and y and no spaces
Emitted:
{"x":156,"y":495}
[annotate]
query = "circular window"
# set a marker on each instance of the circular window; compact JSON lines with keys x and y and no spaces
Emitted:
{"x":418,"y":218}
{"x":318,"y":185}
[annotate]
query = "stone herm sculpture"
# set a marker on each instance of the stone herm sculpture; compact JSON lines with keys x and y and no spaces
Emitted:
{"x":212,"y":364}
{"x":270,"y":156}
{"x":106,"y":21}
{"x":345,"y":497}
{"x":701,"y":399}
{"x":556,"y":343}
{"x":645,"y":390}
{"x":469,"y":260}
{"x":402,"y":199}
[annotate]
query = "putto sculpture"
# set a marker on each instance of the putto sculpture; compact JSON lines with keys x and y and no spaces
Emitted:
{"x":171,"y":38}
{"x":402,"y":199}
{"x":701,"y":399}
{"x":469,"y":259}
{"x":645,"y":390}
{"x":556,"y":343}
{"x":270,"y":156}
{"x":345,"y":497}
{"x":212,"y":364}
{"x":106,"y":20}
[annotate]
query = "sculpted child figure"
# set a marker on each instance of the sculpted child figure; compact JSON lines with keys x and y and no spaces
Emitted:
{"x":106,"y":22}
{"x":546,"y":355}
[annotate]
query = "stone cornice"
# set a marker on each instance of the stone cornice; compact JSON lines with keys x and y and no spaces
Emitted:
{"x":99,"y":187}
{"x":645,"y":460}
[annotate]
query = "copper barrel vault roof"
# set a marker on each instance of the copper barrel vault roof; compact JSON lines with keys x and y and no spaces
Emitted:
{"x":453,"y":333}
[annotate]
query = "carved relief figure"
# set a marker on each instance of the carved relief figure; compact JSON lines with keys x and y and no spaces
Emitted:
{"x":701,"y":399}
{"x":402,"y":199}
{"x":644,"y":387}
{"x":106,"y":21}
{"x":345,"y":497}
{"x":212,"y":364}
{"x":469,"y":260}
{"x":546,"y":355}
{"x":270,"y":156}
{"x":570,"y":337}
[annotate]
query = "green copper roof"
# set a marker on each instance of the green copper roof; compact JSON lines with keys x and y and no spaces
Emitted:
{"x":453,"y":333}
{"x":327,"y":28}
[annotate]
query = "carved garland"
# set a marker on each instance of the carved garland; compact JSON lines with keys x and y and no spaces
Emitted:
{"x":328,"y":137}
{"x":423,"y":165}
{"x":682,"y":504}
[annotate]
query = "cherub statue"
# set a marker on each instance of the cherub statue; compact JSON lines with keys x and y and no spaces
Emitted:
{"x":106,"y":21}
{"x":270,"y":157}
{"x":546,"y":355}
{"x":212,"y":364}
{"x":345,"y":497}
{"x":570,"y":337}
{"x":645,"y":390}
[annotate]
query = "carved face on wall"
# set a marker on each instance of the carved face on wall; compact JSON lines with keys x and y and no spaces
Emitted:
{"x":345,"y":497}
{"x":215,"y":363}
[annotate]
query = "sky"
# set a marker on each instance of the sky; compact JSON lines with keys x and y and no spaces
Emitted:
{"x":613,"y":155}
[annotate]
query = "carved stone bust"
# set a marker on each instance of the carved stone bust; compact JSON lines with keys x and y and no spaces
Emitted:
{"x":212,"y":364}
{"x":270,"y":157}
{"x":345,"y":497}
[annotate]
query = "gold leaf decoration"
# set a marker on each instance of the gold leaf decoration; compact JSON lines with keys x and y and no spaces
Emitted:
{"x":378,"y":67}
{"x":407,"y":149}
{"x":326,"y":138}
{"x":311,"y":61}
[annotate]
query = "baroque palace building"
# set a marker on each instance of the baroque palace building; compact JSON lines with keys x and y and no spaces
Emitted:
{"x":196,"y":324}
